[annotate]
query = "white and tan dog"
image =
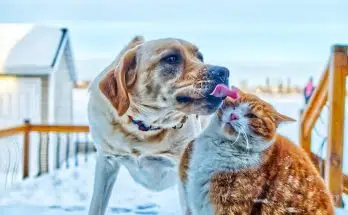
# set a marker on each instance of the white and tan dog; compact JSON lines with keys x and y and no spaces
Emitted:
{"x":144,"y":109}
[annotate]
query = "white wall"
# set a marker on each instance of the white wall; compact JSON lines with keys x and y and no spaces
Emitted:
{"x":61,"y":113}
{"x":20,"y":99}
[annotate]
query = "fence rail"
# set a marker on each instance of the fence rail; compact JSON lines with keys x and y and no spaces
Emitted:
{"x":13,"y":131}
{"x":59,"y":134}
{"x":331,"y":89}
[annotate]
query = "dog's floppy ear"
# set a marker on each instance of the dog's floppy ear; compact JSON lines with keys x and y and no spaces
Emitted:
{"x":118,"y":79}
{"x":137,"y":40}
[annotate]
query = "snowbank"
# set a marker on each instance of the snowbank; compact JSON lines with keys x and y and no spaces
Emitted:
{"x":71,"y":189}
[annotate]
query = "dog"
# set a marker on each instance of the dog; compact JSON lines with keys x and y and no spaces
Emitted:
{"x":145,"y":108}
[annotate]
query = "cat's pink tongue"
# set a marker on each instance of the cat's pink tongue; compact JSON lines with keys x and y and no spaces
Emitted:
{"x":222,"y":90}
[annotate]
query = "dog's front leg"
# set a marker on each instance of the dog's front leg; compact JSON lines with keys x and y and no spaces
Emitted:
{"x":105,"y":176}
{"x":183,"y":199}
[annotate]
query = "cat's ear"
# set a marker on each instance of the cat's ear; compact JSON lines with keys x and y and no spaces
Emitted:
{"x":281,"y":118}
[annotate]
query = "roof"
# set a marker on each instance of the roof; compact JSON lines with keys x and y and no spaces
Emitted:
{"x":33,"y":50}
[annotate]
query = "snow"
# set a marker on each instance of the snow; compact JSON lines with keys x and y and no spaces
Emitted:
{"x":68,"y":191}
{"x":17,"y":42}
{"x":71,"y":189}
{"x":15,"y":209}
{"x":9,"y":37}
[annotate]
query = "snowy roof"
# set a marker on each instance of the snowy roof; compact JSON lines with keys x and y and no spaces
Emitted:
{"x":33,"y":50}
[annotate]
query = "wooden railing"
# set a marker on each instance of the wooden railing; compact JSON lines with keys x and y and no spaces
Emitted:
{"x":331,"y":89}
{"x":27,"y":129}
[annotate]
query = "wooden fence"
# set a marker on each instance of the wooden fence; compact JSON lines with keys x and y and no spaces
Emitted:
{"x":44,"y":133}
{"x":331,"y":90}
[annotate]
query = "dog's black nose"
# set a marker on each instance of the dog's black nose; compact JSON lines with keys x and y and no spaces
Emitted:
{"x":219,"y":72}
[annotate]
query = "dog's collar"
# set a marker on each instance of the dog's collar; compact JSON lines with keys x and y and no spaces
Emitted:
{"x":143,"y":127}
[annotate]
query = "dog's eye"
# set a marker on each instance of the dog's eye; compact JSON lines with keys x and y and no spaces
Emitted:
{"x":172,"y":59}
{"x":250,"y":115}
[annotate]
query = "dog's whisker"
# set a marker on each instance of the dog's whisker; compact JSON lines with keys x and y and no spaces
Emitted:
{"x":200,"y":84}
{"x":199,"y":93}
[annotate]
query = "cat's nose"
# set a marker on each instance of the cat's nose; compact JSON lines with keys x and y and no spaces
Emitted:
{"x":233,"y":117}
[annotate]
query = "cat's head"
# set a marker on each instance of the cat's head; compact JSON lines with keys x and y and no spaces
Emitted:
{"x":249,"y":122}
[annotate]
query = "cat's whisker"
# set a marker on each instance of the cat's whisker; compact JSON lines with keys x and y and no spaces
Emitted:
{"x":237,"y":137}
{"x":245,"y":137}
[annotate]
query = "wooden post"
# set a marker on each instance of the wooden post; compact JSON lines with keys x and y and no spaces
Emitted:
{"x":337,"y":86}
{"x":26,"y":145}
{"x":305,"y":139}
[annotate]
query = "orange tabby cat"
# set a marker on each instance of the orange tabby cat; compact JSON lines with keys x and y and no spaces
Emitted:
{"x":240,"y":165}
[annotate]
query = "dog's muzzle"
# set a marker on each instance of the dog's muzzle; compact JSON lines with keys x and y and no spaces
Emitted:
{"x":219,"y":74}
{"x":216,"y":75}
{"x":205,"y":102}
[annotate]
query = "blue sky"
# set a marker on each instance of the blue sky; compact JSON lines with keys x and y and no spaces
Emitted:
{"x":253,"y":38}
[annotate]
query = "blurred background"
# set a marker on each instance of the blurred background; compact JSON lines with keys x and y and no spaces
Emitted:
{"x":51,"y":50}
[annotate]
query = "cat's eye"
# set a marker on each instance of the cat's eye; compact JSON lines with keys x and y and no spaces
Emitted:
{"x":250,"y":115}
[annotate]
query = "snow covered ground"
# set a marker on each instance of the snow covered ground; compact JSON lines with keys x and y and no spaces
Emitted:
{"x":68,"y":191}
{"x":71,"y":189}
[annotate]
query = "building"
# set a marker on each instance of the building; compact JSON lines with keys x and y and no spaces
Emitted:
{"x":37,"y":75}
